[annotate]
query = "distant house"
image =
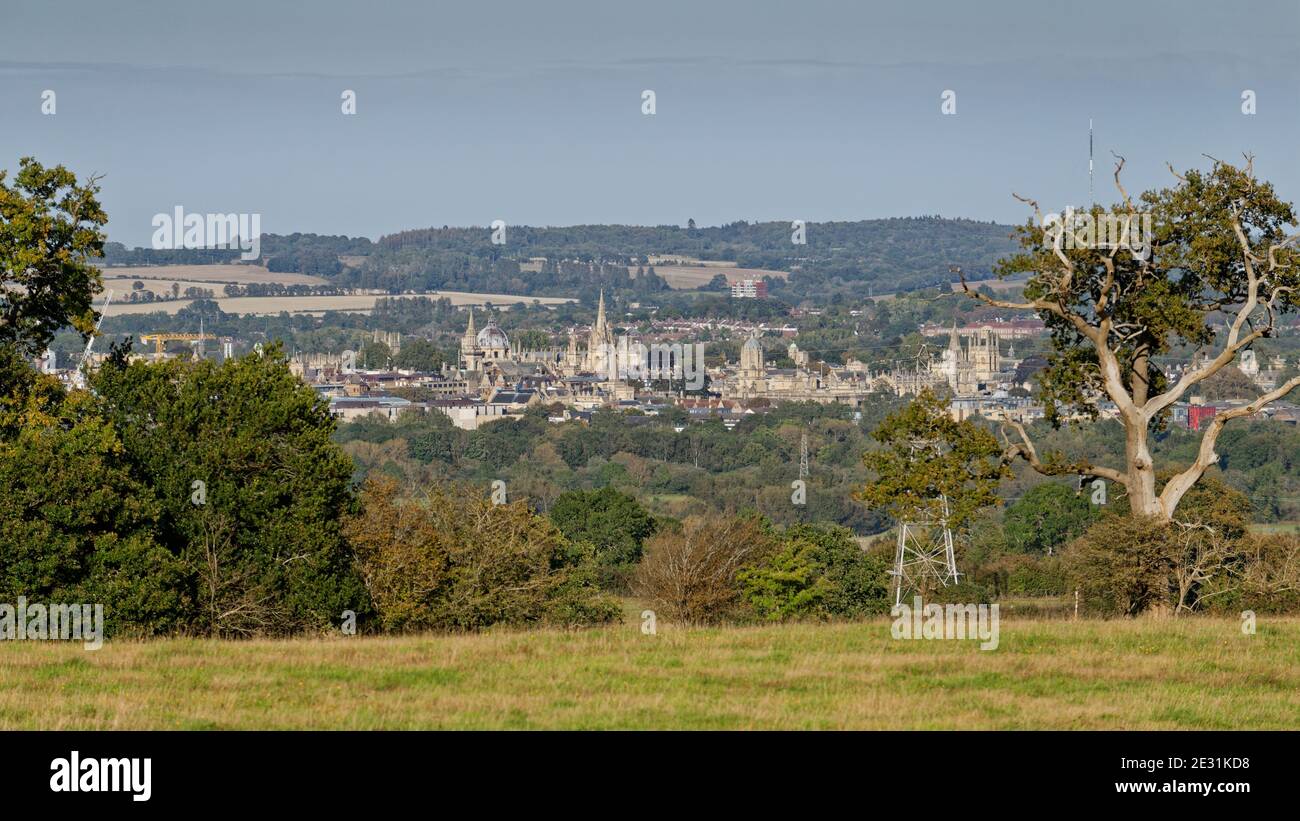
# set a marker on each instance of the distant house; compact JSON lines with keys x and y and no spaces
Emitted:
{"x":749,"y":289}
{"x":1198,"y":415}
{"x":349,"y":408}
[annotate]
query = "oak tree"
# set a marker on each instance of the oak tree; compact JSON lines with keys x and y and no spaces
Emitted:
{"x":1216,"y":271}
{"x":49,"y":231}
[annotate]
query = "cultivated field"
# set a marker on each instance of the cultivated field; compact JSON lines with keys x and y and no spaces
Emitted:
{"x":1145,"y":674}
{"x":691,"y":276}
{"x":206,"y":275}
{"x":686,"y":273}
{"x":362,"y":303}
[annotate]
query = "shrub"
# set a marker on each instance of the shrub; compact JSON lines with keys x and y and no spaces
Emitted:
{"x":1271,"y":577}
{"x":455,"y":561}
{"x":787,"y":583}
{"x":965,"y":591}
{"x":1129,"y":564}
{"x":818,"y":572}
{"x":1121,"y":564}
{"x":691,"y":575}
{"x":1022,"y":575}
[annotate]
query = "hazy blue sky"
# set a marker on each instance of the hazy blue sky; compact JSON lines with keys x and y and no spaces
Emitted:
{"x":531,"y":111}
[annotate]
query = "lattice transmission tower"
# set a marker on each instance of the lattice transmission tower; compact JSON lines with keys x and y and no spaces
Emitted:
{"x":803,"y":456}
{"x":924,"y":559}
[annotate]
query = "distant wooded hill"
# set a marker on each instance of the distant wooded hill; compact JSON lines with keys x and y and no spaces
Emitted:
{"x":847,"y":258}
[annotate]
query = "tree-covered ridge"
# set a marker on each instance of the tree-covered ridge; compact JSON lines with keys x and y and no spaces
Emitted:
{"x":888,"y":254}
{"x":852,"y":258}
{"x":314,"y":254}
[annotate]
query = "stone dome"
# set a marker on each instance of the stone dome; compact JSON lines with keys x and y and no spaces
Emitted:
{"x":493,"y":337}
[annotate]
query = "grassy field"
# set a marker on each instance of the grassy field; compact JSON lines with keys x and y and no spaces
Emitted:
{"x":1146,"y":674}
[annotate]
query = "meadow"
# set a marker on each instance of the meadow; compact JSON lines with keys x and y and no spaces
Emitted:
{"x":1190,"y":673}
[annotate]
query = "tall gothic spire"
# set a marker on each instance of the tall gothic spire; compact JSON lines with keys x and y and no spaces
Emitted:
{"x":600,"y":311}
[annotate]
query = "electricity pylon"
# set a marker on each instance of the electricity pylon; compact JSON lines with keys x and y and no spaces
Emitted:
{"x":924,"y":558}
{"x":803,"y":456}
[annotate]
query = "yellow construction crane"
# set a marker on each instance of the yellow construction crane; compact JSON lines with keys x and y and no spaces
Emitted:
{"x":161,"y":339}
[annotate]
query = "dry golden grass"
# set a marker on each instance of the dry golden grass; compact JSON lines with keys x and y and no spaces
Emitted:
{"x":1190,"y":673}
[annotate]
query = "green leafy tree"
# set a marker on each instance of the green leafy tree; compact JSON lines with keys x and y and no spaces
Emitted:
{"x":817,"y":572}
{"x":49,"y":230}
{"x":926,"y":455}
{"x":375,"y":356}
{"x":26,"y":396}
{"x":787,"y":583}
{"x":429,"y":437}
{"x":251,"y":488}
{"x":75,"y":525}
{"x":1046,"y":517}
{"x":613,"y":523}
{"x":1218,"y":248}
{"x":531,"y":340}
{"x":419,"y":355}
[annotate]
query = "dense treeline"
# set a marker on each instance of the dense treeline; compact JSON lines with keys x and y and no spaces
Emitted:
{"x":203,"y":499}
{"x":314,"y":254}
{"x":707,"y":468}
{"x":703,"y":468}
{"x":852,"y":259}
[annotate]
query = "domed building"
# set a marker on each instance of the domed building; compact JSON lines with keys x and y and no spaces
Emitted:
{"x":488,"y":345}
{"x":493,"y":342}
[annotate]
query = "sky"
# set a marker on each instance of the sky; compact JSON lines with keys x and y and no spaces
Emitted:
{"x":532,"y":112}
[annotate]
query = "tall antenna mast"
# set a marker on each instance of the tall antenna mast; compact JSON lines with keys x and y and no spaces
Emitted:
{"x":1091,"y":199}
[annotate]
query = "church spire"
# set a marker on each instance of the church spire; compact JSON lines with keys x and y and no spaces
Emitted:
{"x":600,"y":311}
{"x":468,"y":343}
